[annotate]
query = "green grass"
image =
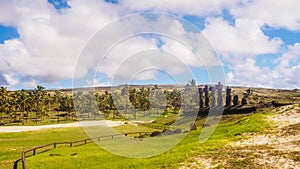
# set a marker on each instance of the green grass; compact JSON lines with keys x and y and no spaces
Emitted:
{"x":12,"y":144}
{"x":92,"y":156}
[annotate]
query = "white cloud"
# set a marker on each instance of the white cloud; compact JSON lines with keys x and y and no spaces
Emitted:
{"x":190,"y":7}
{"x":97,"y":82}
{"x":50,"y":41}
{"x":288,"y":68}
{"x":11,"y":79}
{"x":279,"y":13}
{"x":247,"y":73}
{"x":30,"y":83}
{"x":284,"y":75}
{"x":245,"y":38}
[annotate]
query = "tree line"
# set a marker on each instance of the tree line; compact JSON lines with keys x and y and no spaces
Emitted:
{"x":38,"y":105}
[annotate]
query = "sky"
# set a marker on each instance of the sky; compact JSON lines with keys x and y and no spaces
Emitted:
{"x":256,"y":42}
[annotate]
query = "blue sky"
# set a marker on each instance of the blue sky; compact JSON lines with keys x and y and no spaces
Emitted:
{"x":257,"y":42}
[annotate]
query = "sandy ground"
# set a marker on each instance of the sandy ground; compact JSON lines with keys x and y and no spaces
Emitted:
{"x":279,"y":148}
{"x":108,"y":123}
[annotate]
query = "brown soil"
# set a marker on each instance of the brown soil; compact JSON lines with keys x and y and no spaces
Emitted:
{"x":278,"y":148}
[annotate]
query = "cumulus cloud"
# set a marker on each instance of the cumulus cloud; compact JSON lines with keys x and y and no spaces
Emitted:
{"x":190,"y":7}
{"x":245,"y":38}
{"x":132,"y":42}
{"x":284,"y":75}
{"x":51,"y":40}
{"x":247,"y":73}
{"x":30,"y":83}
{"x":288,"y":68}
{"x":279,"y":13}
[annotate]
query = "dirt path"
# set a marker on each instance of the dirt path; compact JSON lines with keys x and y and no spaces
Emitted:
{"x":278,"y":148}
{"x":10,"y":129}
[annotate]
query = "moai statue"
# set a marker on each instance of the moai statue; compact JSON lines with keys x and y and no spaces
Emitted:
{"x":235,"y":100}
{"x":244,"y":101}
{"x":200,"y":90}
{"x":219,"y":87}
{"x":213,"y":99}
{"x":206,"y":90}
{"x":228,"y":97}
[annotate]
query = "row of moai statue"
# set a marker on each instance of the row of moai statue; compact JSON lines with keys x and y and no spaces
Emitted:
{"x":207,"y":102}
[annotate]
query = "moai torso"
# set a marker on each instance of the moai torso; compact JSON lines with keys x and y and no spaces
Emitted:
{"x":235,"y":100}
{"x":219,"y":87}
{"x":200,"y":97}
{"x":206,"y":90}
{"x":228,"y":96}
{"x":213,"y":99}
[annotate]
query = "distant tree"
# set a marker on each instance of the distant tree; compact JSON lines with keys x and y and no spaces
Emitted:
{"x":57,"y":99}
{"x":67,"y":105}
{"x":3,"y":101}
{"x":39,"y":95}
{"x":192,"y":83}
{"x":248,"y":93}
{"x":24,"y":103}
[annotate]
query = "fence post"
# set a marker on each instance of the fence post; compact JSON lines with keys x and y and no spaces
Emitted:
{"x":34,"y":151}
{"x":54,"y":145}
{"x":71,"y":144}
{"x":23,"y":160}
{"x":85,"y":141}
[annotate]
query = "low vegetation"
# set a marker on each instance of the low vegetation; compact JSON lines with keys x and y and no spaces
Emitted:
{"x":92,"y":156}
{"x":47,"y":107}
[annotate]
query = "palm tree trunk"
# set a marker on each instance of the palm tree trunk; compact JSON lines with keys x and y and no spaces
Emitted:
{"x":58,"y":118}
{"x":1,"y":117}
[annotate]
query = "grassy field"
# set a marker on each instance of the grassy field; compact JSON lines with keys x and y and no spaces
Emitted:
{"x":231,"y":128}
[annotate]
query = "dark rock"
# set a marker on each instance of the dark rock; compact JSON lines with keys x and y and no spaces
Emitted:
{"x":205,"y":125}
{"x":155,"y":133}
{"x":167,"y":132}
{"x":74,"y":154}
{"x":177,"y":131}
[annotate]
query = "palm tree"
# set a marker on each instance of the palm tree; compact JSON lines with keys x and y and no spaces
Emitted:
{"x":67,"y":105}
{"x":192,"y":83}
{"x":57,"y":99}
{"x":13,"y":105}
{"x":24,"y":103}
{"x":39,"y":94}
{"x":125,"y":92}
{"x":3,"y":101}
{"x":48,"y":101}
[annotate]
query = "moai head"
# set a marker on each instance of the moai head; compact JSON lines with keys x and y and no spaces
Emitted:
{"x":206,"y":89}
{"x":200,"y":90}
{"x":219,"y":86}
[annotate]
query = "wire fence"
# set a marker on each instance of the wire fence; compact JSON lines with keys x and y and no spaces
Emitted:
{"x":70,"y":144}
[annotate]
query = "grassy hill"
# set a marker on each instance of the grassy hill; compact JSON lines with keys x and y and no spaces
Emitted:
{"x":219,"y":151}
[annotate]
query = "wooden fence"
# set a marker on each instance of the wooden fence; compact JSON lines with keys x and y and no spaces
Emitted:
{"x":71,"y":144}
